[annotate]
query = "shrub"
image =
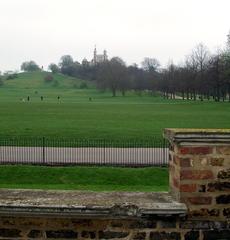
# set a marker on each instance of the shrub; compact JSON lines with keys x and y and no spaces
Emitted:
{"x":11,"y":76}
{"x":48,"y":78}
{"x":83,"y":85}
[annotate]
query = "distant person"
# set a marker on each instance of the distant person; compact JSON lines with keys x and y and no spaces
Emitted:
{"x":28,"y":98}
{"x":58,"y":98}
{"x":41,"y":98}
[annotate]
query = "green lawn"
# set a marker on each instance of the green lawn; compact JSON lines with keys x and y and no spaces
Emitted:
{"x":84,"y":178}
{"x":105,"y":117}
{"x":115,"y":118}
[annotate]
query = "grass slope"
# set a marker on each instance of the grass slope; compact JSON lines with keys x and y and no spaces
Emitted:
{"x":35,"y":80}
{"x":84,"y":178}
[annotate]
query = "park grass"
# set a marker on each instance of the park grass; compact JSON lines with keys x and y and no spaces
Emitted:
{"x":84,"y":178}
{"x":105,"y":117}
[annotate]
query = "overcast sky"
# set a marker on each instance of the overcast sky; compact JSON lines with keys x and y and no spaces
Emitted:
{"x":44,"y":30}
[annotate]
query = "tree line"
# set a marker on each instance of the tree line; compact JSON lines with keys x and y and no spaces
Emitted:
{"x":202,"y":75}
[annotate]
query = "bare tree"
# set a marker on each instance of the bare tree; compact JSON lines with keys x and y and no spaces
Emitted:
{"x":150,"y":64}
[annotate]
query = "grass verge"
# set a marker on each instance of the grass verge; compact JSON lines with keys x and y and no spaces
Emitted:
{"x":84,"y":178}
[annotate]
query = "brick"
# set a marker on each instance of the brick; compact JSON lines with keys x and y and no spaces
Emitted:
{"x":185,"y":162}
{"x":184,"y":150}
{"x":195,"y":150}
{"x":117,"y":224}
{"x":202,"y":188}
{"x":35,"y":234}
{"x":223,"y":150}
{"x":216,"y":235}
{"x":204,"y":212}
{"x":87,"y":234}
{"x":218,"y":186}
{"x":192,"y":235}
{"x":169,"y":223}
{"x":224,"y":174}
{"x":139,"y":236}
{"x":188,"y":188}
{"x":165,"y":236}
{"x":196,"y":174}
{"x":143,"y":223}
{"x":66,"y":234}
{"x":200,"y":200}
{"x":223,"y":199}
{"x":226,"y":212}
{"x":203,"y":224}
{"x":175,"y":183}
{"x":217,"y":162}
{"x":176,"y":160}
{"x":9,"y":233}
{"x":112,"y":235}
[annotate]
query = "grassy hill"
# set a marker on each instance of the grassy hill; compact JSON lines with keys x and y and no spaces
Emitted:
{"x":35,"y":80}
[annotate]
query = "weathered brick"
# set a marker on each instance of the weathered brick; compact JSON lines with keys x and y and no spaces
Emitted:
{"x":202,"y":188}
{"x":192,"y":235}
{"x":139,"y":236}
{"x":9,"y":233}
{"x":35,"y":234}
{"x":66,"y":234}
{"x":143,"y":223}
{"x":204,"y":212}
{"x":188,"y":188}
{"x":185,"y":162}
{"x":195,"y":150}
{"x":226,"y":212}
{"x":201,"y":225}
{"x":217,"y":161}
{"x":88,"y":234}
{"x":216,"y":235}
{"x":111,"y":234}
{"x":175,"y":183}
{"x":224,"y":174}
{"x":169,"y":223}
{"x":200,"y":200}
{"x":218,"y":186}
{"x":165,"y":236}
{"x":223,"y":150}
{"x":184,"y":150}
{"x":196,"y":174}
{"x":223,"y":199}
{"x":117,"y":224}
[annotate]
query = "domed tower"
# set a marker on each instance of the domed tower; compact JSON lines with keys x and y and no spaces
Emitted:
{"x":105,"y":55}
{"x":95,"y":55}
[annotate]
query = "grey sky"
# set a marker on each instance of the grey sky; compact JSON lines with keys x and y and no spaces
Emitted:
{"x":44,"y":30}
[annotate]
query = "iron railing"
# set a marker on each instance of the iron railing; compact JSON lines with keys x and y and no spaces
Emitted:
{"x":99,"y":152}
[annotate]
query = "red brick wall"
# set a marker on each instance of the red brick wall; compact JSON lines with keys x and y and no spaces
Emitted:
{"x":200,"y":178}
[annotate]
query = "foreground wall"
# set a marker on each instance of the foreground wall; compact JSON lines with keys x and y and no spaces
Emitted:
{"x":199,"y":178}
{"x":153,"y":229}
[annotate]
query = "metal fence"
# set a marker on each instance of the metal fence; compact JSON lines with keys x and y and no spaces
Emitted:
{"x":100,"y":152}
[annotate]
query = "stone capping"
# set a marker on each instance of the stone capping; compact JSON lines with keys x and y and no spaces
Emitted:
{"x":83,"y":204}
{"x":196,"y":136}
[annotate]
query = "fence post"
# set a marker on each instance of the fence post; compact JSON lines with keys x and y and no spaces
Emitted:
{"x":104,"y":152}
{"x":43,"y":151}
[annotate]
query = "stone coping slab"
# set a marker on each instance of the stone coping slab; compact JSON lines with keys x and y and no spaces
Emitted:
{"x":85,"y":204}
{"x":197,"y":136}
